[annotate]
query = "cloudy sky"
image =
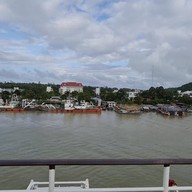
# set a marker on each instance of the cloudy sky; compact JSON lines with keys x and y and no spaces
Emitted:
{"x":113,"y":43}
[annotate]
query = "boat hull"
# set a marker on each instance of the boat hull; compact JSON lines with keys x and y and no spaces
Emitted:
{"x":76,"y":110}
{"x":83,"y":111}
{"x":12,"y":109}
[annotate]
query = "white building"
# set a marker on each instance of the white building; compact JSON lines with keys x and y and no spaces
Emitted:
{"x":70,"y":87}
{"x":97,"y":91}
{"x":49,"y":89}
{"x":181,"y":94}
{"x":115,"y":91}
{"x":16,"y":88}
{"x":10,"y":90}
{"x":133,"y":94}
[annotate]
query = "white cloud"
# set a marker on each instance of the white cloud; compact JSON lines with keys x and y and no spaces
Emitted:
{"x":88,"y":41}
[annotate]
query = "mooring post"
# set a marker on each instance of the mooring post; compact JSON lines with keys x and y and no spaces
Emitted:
{"x":166,"y":172}
{"x":51,"y":178}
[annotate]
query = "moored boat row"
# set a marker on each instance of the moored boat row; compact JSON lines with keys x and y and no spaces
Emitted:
{"x":73,"y":106}
{"x":69,"y":106}
{"x":164,"y":109}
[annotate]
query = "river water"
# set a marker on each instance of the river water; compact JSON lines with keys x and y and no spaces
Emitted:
{"x":37,"y":135}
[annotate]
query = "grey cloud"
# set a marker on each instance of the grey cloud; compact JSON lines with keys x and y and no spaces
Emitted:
{"x":148,"y":33}
{"x":9,"y":74}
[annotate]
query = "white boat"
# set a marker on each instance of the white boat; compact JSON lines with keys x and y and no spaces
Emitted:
{"x":80,"y":107}
{"x":7,"y":106}
{"x":69,"y":104}
{"x":84,"y":105}
{"x":10,"y":105}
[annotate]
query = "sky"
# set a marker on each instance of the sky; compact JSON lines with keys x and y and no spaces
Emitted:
{"x":103,"y":43}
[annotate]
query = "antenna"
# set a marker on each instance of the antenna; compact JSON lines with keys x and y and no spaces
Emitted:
{"x":152,"y":74}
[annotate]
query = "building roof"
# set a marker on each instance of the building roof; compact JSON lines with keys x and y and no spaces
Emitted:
{"x":71,"y":84}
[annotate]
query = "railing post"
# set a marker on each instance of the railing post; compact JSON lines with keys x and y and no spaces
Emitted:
{"x":51,"y":178}
{"x":166,"y":172}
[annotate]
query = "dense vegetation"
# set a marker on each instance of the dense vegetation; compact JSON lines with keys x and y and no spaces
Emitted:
{"x":152,"y":96}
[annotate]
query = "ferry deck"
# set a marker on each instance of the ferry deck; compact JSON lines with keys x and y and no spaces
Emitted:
{"x":83,"y":186}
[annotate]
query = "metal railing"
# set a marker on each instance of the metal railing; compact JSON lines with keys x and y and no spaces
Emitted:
{"x":51,"y":163}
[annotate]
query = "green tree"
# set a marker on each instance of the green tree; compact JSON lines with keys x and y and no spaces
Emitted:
{"x":152,"y":93}
{"x":160,"y":92}
{"x":185,"y":99}
{"x":5,"y":96}
{"x":121,"y":96}
{"x":138,"y":100}
{"x":17,"y":92}
{"x":74,"y":94}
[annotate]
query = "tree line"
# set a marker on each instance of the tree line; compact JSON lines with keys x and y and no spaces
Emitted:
{"x":152,"y":96}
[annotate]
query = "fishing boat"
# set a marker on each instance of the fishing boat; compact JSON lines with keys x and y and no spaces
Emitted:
{"x":170,"y":110}
{"x":85,"y":110}
{"x":7,"y":106}
{"x":11,"y":106}
{"x":126,"y":111}
{"x":71,"y":107}
{"x":168,"y":184}
{"x":12,"y":110}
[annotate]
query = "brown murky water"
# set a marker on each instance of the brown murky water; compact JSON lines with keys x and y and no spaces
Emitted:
{"x":107,"y":135}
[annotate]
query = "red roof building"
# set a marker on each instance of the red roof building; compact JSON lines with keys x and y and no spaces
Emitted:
{"x":71,"y":84}
{"x":70,"y":87}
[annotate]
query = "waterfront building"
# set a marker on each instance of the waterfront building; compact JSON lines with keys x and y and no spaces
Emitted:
{"x":49,"y":89}
{"x":115,"y":91}
{"x":181,"y":94}
{"x":97,"y":91}
{"x":133,"y":94}
{"x":10,"y":90}
{"x":70,"y":87}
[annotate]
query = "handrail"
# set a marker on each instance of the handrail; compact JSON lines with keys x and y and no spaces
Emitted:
{"x":53,"y":162}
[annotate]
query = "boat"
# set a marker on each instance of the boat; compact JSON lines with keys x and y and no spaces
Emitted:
{"x":11,"y":106}
{"x":170,"y":110}
{"x":126,"y":111}
{"x":96,"y":110}
{"x":168,"y":184}
{"x":12,"y":110}
{"x":71,"y":107}
{"x":7,"y":106}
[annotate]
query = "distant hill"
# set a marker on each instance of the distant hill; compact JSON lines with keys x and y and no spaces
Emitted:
{"x":185,"y":87}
